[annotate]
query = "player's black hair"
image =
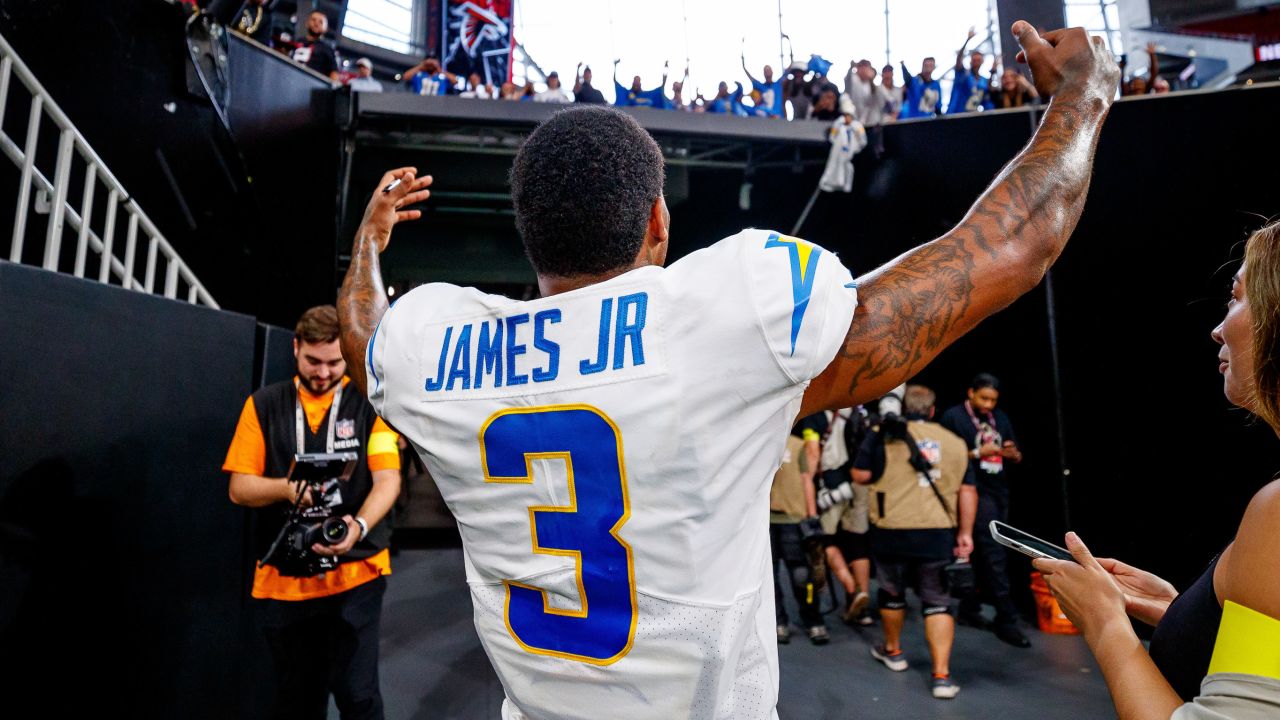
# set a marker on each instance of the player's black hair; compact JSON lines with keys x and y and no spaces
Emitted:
{"x":982,"y":381}
{"x":583,"y":184}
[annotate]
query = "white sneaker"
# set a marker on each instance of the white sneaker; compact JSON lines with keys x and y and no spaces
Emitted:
{"x":894,"y":661}
{"x":944,"y":688}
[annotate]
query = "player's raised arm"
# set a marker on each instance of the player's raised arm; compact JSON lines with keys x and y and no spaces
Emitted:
{"x":362,"y":299}
{"x":921,"y":302}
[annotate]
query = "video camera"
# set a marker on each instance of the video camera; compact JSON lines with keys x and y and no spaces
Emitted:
{"x":321,"y":475}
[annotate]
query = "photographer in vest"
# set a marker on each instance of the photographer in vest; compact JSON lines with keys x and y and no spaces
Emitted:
{"x":923,"y":503}
{"x":795,"y":534}
{"x":322,"y":628}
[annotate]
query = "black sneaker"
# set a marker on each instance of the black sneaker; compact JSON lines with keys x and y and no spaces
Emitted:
{"x":1012,"y":635}
{"x":973,"y":620}
{"x":784,"y":634}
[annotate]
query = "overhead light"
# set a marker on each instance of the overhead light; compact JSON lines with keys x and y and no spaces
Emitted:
{"x":391,"y":291}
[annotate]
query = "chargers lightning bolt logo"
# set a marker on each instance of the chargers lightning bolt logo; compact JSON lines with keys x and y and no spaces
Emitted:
{"x":804,"y":266}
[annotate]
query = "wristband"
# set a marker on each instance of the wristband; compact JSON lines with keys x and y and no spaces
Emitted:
{"x":364,"y":527}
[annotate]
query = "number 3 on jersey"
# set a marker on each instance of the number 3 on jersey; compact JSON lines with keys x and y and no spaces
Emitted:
{"x":586,"y":529}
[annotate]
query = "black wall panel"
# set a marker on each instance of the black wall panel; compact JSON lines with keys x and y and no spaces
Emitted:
{"x":121,"y":567}
{"x":275,"y":355}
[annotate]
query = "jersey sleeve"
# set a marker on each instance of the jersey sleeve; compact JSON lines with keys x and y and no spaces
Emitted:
{"x":248,"y":451}
{"x":375,"y":362}
{"x":383,"y":450}
{"x":804,"y":300}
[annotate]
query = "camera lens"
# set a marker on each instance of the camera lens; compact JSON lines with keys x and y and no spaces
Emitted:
{"x":334,"y":530}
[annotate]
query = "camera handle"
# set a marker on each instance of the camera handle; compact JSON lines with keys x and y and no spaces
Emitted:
{"x":294,"y":512}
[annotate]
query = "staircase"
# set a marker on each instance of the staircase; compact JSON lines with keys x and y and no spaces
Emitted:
{"x":93,"y":226}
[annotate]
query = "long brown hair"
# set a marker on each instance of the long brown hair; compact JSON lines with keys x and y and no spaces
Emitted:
{"x":1262,"y":290}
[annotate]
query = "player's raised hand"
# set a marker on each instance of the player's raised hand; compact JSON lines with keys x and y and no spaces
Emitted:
{"x":396,"y":191}
{"x":1068,"y":62}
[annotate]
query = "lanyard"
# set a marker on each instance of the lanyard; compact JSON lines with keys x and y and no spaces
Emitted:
{"x":969,"y":409}
{"x":300,"y":421}
{"x":831,"y":423}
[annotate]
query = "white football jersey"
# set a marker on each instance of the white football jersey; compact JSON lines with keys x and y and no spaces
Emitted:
{"x":608,"y":453}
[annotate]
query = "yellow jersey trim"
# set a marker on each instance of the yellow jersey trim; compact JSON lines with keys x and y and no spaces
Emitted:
{"x":1248,"y":643}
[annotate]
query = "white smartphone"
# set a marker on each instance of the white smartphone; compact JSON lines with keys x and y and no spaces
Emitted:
{"x":1026,"y":543}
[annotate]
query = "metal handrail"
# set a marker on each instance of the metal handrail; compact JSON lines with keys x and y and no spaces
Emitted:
{"x":60,"y":210}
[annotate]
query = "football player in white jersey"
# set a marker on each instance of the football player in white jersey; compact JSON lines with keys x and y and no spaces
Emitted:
{"x":607,"y":448}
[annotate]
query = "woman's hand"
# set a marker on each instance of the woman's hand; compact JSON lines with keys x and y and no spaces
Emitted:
{"x":1091,"y":598}
{"x":1146,"y":596}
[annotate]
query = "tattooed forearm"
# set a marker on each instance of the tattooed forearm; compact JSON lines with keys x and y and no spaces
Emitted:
{"x":913,"y":307}
{"x":908,"y":309}
{"x":361,"y":304}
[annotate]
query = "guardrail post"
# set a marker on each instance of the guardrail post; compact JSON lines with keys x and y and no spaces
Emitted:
{"x":86,"y":214}
{"x":24,"y":185}
{"x":130,"y":250}
{"x":61,"y":178}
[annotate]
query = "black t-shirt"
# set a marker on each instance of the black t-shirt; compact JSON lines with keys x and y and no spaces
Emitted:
{"x":958,"y":421}
{"x":816,"y":422}
{"x":319,"y":55}
{"x":588,"y":94}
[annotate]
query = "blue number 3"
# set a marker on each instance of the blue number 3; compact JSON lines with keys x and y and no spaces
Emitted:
{"x":586,"y":529}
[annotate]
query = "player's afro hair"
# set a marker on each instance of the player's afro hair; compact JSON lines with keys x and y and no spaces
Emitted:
{"x":583,"y":184}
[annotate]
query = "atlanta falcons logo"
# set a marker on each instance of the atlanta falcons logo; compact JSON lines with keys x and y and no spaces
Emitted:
{"x":476,"y":23}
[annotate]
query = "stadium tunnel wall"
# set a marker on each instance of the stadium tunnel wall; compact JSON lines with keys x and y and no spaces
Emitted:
{"x":124,"y":568}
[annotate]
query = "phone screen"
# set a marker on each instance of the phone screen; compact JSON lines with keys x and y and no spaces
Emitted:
{"x":1001,"y":530}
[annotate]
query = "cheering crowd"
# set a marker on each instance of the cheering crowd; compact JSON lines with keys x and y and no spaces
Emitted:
{"x":804,"y":91}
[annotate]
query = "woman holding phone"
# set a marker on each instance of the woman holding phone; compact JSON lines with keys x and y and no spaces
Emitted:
{"x":1219,"y":642}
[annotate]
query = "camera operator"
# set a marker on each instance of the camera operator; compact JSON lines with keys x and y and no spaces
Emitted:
{"x":795,"y":535}
{"x":322,"y":629}
{"x":922,"y":491}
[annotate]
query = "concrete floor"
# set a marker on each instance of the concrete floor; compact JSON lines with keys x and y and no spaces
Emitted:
{"x":433,"y":666}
